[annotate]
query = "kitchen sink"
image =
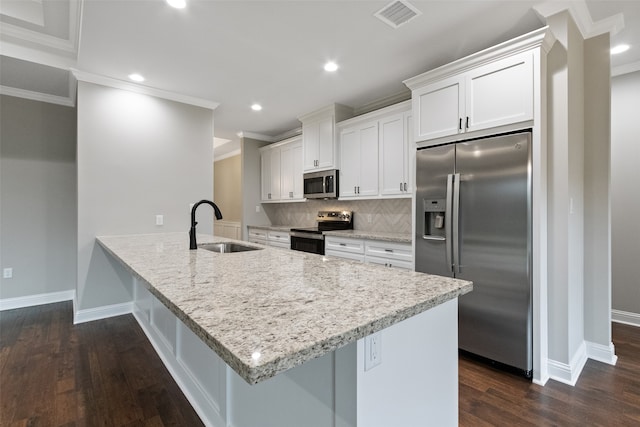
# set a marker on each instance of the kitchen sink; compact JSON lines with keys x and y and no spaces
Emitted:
{"x":227,"y":247}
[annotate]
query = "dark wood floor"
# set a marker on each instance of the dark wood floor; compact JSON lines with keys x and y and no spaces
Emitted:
{"x":102,"y":373}
{"x":106,"y":373}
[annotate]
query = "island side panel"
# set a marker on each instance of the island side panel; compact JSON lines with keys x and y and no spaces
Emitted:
{"x":416,"y":382}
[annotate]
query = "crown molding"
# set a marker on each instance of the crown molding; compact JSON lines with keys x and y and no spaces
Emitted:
{"x":625,"y":69}
{"x":226,"y":155}
{"x":289,"y":134}
{"x":144,"y":90}
{"x":382,"y":102}
{"x":541,"y":38}
{"x":258,"y":136}
{"x":582,"y":17}
{"x":38,"y":96}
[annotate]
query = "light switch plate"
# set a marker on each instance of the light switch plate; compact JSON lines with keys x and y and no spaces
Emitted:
{"x":159,"y":219}
{"x":7,"y":273}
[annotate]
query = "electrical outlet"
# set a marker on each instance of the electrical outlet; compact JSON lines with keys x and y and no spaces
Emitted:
{"x":7,"y":273}
{"x":257,"y":208}
{"x":372,"y":351}
{"x":369,"y":218}
{"x":159,"y":219}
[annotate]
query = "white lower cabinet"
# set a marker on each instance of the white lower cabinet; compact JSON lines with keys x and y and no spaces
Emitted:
{"x":279,"y":239}
{"x":389,"y":254}
{"x":257,"y":235}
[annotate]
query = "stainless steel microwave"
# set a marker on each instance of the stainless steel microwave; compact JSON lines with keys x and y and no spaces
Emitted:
{"x":321,"y":185}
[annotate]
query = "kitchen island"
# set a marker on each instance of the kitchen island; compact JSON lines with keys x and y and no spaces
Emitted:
{"x":283,"y":338}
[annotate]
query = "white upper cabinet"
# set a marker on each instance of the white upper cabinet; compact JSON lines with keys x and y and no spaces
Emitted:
{"x":439,"y":108}
{"x":500,"y":93}
{"x":291,"y":171}
{"x":319,"y":140}
{"x":491,"y":89}
{"x":375,"y":154}
{"x":359,"y":154}
{"x":395,"y":171}
{"x":281,"y":174}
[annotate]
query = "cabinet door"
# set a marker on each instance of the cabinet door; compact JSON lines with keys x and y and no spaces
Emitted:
{"x":350,"y":155}
{"x":275,"y":174}
{"x":410,"y":155}
{"x":265,"y":175}
{"x":296,"y":175}
{"x":310,"y":141}
{"x":500,"y":93}
{"x":326,"y":144}
{"x":439,"y":108}
{"x":393,"y":156}
{"x":368,"y":158}
{"x":286,"y":172}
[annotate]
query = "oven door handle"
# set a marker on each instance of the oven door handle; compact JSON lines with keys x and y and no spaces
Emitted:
{"x":306,"y":235}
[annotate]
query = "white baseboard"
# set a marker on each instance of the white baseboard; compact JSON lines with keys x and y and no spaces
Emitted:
{"x":568,"y":374}
{"x":602,"y":353}
{"x":39,"y":299}
{"x":90,"y":314}
{"x":626,"y":317}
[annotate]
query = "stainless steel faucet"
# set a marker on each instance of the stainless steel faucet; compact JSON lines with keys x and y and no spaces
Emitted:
{"x":192,"y":232}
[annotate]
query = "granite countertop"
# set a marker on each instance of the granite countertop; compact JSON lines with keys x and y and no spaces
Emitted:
{"x":266,"y":311}
{"x":372,"y":235}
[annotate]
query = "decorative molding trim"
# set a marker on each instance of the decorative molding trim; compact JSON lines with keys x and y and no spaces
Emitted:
{"x":197,"y":397}
{"x":542,"y":38}
{"x":568,"y":374}
{"x":382,"y":102}
{"x":38,"y":299}
{"x":625,"y":69}
{"x":104,"y":312}
{"x":402,"y":107}
{"x":258,"y":136}
{"x":289,"y":134}
{"x":40,"y":39}
{"x":626,"y":317}
{"x":602,"y":353}
{"x":37,"y":96}
{"x":582,"y":17}
{"x":144,"y":90}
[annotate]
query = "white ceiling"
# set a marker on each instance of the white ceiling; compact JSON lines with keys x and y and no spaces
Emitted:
{"x":239,"y":52}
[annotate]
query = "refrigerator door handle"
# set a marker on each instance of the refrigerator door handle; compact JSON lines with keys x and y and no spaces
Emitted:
{"x":447,"y":221}
{"x":456,"y":223}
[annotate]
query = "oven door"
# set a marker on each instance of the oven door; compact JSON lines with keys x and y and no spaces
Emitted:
{"x":305,"y":242}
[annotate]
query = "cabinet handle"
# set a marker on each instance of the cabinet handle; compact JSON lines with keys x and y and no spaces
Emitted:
{"x":460,"y":124}
{"x":405,"y":186}
{"x":269,"y":196}
{"x":389,"y":250}
{"x":358,"y":189}
{"x":467,"y":126}
{"x":400,"y":186}
{"x":343,"y":244}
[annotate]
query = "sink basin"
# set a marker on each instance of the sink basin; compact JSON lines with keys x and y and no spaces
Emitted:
{"x":227,"y":247}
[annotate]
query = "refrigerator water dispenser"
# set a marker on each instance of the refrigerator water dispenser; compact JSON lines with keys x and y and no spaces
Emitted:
{"x":434,"y":214}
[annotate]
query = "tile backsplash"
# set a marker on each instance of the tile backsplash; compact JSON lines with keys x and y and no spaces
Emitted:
{"x":383,"y":215}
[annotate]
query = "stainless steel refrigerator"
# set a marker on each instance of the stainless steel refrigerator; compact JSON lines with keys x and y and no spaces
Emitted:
{"x":473,"y":222}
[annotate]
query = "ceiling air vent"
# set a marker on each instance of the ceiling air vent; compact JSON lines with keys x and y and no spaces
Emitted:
{"x":397,"y":13}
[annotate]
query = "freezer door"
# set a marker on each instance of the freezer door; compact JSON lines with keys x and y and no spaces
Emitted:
{"x":494,"y":241}
{"x":434,"y":168}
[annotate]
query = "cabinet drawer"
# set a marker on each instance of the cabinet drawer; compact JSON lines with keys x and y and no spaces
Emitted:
{"x":345,"y":255}
{"x":389,"y":262}
{"x":278,"y":237}
{"x":341,"y":244}
{"x":257,"y":234}
{"x":389,"y":250}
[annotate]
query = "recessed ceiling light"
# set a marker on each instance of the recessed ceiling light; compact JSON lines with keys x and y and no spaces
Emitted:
{"x":256,"y":107}
{"x":330,"y":66}
{"x":136,"y":77}
{"x":178,"y":4}
{"x":619,"y":49}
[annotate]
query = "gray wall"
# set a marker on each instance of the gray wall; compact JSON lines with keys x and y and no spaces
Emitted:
{"x":138,"y":156}
{"x":625,"y":198}
{"x":597,"y":172}
{"x":37,"y":197}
